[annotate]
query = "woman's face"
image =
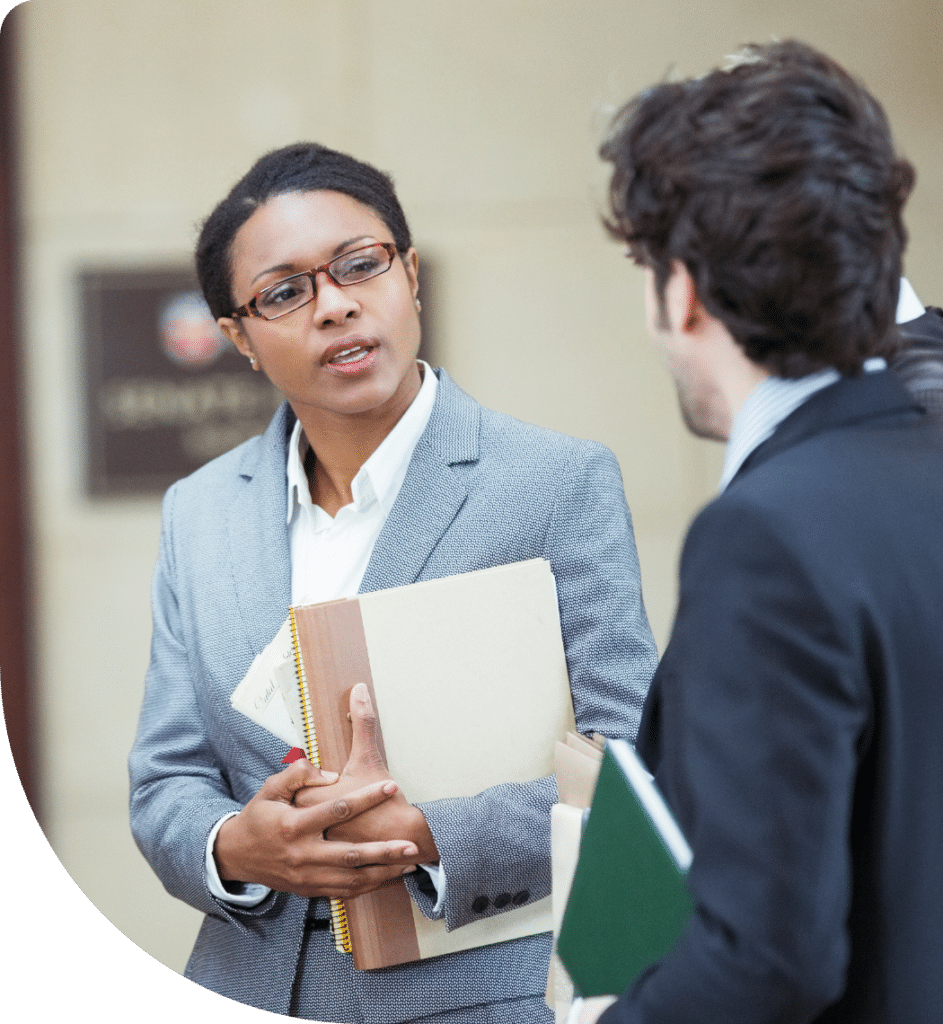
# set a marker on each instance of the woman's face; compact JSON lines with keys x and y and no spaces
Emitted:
{"x":351,"y":351}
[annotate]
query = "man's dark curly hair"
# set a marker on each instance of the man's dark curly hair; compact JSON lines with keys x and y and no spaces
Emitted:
{"x":301,"y":167}
{"x":775,"y":182}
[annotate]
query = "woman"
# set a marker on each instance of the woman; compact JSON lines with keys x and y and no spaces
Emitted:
{"x":375,"y":472}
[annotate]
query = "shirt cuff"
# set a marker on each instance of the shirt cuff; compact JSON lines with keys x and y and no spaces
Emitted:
{"x":437,"y":873}
{"x":242,"y":894}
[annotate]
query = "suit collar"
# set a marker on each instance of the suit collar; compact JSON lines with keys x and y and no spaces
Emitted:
{"x":432,"y":492}
{"x":848,"y":401}
{"x":261,"y":458}
{"x":770,"y":402}
{"x":454,"y":425}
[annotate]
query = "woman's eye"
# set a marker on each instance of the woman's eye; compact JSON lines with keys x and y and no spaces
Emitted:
{"x":357,"y":267}
{"x":280,"y":294}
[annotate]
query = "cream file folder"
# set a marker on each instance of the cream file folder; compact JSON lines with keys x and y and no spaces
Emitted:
{"x":469,"y":681}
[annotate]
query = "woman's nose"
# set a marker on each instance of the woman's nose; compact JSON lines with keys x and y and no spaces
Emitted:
{"x":332,"y":303}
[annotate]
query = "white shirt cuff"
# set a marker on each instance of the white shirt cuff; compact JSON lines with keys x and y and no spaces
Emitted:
{"x":252,"y":893}
{"x":437,"y":873}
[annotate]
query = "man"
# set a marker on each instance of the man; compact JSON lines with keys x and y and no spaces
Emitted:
{"x":794,"y":723}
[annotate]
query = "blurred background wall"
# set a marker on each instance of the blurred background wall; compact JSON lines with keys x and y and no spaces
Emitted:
{"x":136,"y":117}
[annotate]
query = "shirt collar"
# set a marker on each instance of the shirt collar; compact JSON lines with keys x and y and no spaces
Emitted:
{"x":381,"y":476}
{"x":768,"y":404}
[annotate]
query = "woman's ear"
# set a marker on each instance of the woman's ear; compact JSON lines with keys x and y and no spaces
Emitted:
{"x":232,"y":328}
{"x":411,"y":263}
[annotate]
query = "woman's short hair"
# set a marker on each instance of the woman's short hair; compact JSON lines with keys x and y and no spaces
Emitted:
{"x":301,"y":167}
{"x":774,"y":181}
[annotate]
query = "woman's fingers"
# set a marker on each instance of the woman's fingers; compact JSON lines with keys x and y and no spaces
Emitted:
{"x":328,"y":811}
{"x":346,"y":883}
{"x":300,"y":774}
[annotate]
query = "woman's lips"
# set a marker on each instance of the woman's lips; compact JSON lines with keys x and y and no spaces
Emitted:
{"x":351,"y":355}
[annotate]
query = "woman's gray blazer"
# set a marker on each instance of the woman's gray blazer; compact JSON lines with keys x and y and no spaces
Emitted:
{"x":482,"y":489}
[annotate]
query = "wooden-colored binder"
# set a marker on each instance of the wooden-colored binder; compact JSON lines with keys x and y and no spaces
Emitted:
{"x":469,"y":681}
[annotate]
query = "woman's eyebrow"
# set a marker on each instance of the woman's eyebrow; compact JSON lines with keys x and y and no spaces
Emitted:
{"x":284,"y":267}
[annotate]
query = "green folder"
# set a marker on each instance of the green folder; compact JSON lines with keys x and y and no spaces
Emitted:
{"x":629,"y":899}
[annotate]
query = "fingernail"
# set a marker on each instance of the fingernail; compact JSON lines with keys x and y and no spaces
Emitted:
{"x":331,"y":776}
{"x":409,"y":870}
{"x":389,"y":787}
{"x":410,"y":850}
{"x":361,"y":692}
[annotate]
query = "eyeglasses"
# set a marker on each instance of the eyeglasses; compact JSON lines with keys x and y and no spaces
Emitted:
{"x":293,"y":292}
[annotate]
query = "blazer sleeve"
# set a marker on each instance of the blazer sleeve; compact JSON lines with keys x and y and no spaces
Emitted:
{"x":757,"y":715}
{"x":495,"y":847}
{"x":178,"y":789}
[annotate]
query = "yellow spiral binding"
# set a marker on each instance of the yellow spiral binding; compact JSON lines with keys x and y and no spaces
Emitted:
{"x":311,"y":739}
{"x":339,"y":926}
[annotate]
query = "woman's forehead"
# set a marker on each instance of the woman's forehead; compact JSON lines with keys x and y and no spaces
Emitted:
{"x":302,"y":229}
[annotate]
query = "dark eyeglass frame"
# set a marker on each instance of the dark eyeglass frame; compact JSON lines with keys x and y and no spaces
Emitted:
{"x":251,"y":308}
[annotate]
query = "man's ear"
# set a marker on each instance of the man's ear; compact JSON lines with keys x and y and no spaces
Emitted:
{"x":681,"y":302}
{"x":232,"y":328}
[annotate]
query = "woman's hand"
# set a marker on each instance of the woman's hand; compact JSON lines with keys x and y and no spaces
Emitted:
{"x":275,"y":842}
{"x":395,"y":817}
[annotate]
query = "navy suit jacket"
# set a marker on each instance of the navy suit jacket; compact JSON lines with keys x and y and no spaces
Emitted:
{"x":795,"y":723}
{"x":482,"y":489}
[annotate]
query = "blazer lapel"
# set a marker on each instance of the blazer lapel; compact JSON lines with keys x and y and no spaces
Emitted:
{"x":428,"y":502}
{"x":432,"y":492}
{"x":849,"y":400}
{"x":258,"y":535}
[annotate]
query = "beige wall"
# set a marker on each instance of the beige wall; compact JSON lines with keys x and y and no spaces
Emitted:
{"x":140,"y":114}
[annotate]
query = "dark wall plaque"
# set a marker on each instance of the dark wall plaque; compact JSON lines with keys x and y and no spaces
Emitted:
{"x":166,"y":391}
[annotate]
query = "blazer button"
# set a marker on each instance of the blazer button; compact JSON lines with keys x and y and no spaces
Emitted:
{"x":502,"y":900}
{"x":521,"y":897}
{"x":481,"y":904}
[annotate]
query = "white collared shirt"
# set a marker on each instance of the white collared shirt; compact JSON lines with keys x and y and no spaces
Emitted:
{"x":329,"y":555}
